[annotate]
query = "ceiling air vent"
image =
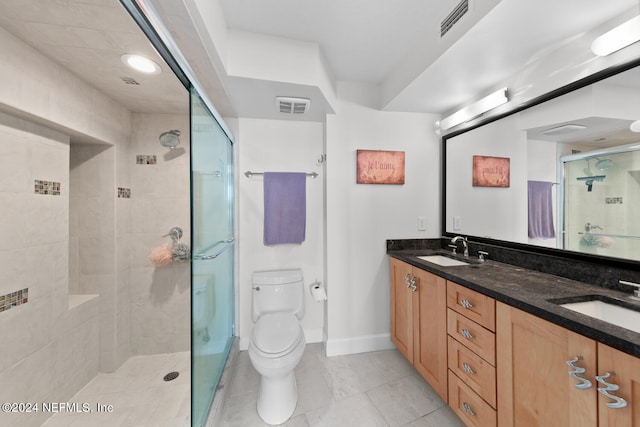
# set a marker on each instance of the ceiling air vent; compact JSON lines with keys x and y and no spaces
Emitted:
{"x":130,"y":81}
{"x":289,"y":105}
{"x":454,"y":16}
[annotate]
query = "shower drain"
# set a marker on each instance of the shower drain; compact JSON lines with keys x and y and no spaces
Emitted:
{"x":171,"y":376}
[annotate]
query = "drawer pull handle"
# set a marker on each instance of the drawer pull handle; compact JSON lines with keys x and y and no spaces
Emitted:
{"x":619,"y":402}
{"x":468,"y":369}
{"x":577,"y":370}
{"x":466,"y":303}
{"x":467,"y":409}
{"x":465,"y":333}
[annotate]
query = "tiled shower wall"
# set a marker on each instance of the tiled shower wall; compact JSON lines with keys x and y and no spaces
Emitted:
{"x":48,"y":351}
{"x":160,"y":200}
{"x":94,"y":265}
{"x":51,"y":344}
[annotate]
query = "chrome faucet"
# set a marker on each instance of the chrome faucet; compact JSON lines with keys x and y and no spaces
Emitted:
{"x":464,"y":243}
{"x":636,"y":291}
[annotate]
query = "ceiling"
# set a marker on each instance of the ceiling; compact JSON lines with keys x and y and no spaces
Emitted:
{"x":370,"y":41}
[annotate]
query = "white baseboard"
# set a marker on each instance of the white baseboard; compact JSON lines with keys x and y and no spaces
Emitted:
{"x":363,"y":344}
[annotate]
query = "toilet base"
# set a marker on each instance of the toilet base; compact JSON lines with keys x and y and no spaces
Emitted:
{"x":277,"y":398}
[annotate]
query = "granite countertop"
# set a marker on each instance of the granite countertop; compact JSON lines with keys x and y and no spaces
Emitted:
{"x":530,"y":291}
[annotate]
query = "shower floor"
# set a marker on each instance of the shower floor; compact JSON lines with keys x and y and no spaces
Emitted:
{"x":138,"y":394}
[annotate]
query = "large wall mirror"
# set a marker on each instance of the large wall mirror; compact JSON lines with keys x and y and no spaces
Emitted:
{"x":560,"y":174}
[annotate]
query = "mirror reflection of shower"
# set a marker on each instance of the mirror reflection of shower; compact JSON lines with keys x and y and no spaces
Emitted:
{"x":598,"y":220}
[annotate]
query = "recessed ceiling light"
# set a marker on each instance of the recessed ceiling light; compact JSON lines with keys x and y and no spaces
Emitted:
{"x":635,"y":126}
{"x":140,"y":63}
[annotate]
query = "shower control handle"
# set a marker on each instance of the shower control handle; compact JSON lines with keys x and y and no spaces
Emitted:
{"x":256,"y":288}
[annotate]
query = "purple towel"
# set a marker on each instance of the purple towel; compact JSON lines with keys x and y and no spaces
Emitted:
{"x":540,"y":210}
{"x":285,"y":207}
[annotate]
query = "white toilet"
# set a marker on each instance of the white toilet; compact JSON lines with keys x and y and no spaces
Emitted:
{"x":277,"y":340}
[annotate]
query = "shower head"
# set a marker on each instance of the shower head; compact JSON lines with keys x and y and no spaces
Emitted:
{"x":604,"y":165}
{"x":170,"y":138}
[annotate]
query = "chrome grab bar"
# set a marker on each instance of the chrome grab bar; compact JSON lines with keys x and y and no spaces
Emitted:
{"x":228,"y":244}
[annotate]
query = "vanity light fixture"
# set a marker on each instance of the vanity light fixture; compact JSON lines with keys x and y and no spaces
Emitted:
{"x":620,"y":37}
{"x":479,"y":107}
{"x":140,"y":63}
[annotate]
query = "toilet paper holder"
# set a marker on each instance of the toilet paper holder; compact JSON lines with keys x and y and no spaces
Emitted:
{"x":318,"y":292}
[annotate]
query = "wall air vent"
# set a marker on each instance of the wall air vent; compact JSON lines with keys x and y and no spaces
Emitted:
{"x":288,"y":105}
{"x":455,"y":15}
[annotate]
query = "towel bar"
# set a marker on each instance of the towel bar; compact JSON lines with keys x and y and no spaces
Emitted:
{"x":249,"y":174}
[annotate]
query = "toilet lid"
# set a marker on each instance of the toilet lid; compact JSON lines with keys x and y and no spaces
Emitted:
{"x":276,"y":333}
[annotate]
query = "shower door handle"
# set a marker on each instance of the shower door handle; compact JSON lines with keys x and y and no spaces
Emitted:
{"x":228,"y":243}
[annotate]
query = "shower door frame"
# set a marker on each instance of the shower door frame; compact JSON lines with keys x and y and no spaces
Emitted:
{"x":148,"y":19}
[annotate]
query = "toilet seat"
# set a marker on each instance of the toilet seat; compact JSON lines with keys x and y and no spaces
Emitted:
{"x":276,"y":334}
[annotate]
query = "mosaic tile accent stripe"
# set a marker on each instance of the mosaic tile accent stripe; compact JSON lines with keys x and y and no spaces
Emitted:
{"x":14,"y":299}
{"x":146,"y":159}
{"x":47,"y":187}
{"x":613,"y":200}
{"x":124,"y":193}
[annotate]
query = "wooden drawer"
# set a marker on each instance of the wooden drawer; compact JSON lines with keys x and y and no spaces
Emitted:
{"x":479,"y":375}
{"x":473,"y":336}
{"x":477,"y":307}
{"x":471,"y":409}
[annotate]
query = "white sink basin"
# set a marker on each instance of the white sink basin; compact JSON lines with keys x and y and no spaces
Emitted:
{"x":443,"y":260}
{"x":611,"y":313}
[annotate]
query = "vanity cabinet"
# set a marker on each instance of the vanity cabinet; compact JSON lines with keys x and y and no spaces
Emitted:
{"x":419,"y":323}
{"x":626,"y":375}
{"x":471,"y":325}
{"x":548,"y":376}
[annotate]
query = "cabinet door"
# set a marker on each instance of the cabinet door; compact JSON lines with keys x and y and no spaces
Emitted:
{"x":534,"y":388}
{"x":401,"y":308}
{"x":625,"y":372}
{"x":430,"y":330}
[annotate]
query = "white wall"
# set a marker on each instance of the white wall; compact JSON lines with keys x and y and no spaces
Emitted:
{"x":278,"y":146}
{"x":361,"y":217}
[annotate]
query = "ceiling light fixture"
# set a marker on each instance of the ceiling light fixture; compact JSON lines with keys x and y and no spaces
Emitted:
{"x":140,"y":63}
{"x":620,"y":37}
{"x":479,"y":107}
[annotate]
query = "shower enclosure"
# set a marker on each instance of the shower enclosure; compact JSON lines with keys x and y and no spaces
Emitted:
{"x":212,"y":225}
{"x":601,"y":200}
{"x":212,"y":297}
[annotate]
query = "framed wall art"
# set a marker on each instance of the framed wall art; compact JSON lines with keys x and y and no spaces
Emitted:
{"x":491,"y":171}
{"x":380,"y":167}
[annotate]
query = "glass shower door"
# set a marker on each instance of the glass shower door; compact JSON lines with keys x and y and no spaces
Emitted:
{"x":212,"y":299}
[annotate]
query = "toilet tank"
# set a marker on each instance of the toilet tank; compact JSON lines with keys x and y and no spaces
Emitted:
{"x":277,"y":291}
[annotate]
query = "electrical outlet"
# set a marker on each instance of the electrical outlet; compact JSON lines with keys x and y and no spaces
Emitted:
{"x":422,"y":223}
{"x":456,"y":223}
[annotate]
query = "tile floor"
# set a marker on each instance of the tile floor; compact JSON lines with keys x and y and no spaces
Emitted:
{"x":138,"y":393}
{"x":370,"y":389}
